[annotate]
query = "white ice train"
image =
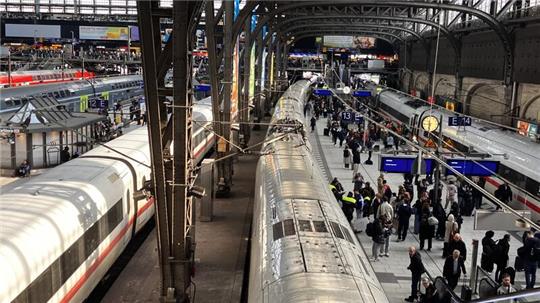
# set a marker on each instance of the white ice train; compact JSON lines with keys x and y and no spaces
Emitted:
{"x":302,"y":247}
{"x":61,"y":231}
{"x":521,"y":166}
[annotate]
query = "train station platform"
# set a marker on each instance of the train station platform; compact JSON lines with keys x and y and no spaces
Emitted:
{"x":221,"y":248}
{"x":392,"y":271}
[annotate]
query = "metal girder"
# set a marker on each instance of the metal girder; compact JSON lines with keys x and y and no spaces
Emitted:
{"x":244,"y":99}
{"x":171,"y":176}
{"x":451,"y":38}
{"x":341,"y":7}
{"x":303,"y":35}
{"x":456,"y":18}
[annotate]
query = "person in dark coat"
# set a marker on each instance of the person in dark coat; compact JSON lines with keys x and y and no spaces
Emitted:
{"x":453,"y":267}
{"x":378,"y":239}
{"x":488,"y":250}
{"x":457,"y":243}
{"x":313,"y":123}
{"x":501,"y":256}
{"x":404,"y":213}
{"x":440,"y":214}
{"x":64,"y":155}
{"x":426,"y":231}
{"x":376,"y":203}
{"x":429,"y":296}
{"x":531,"y":243}
{"x":504,"y":193}
{"x":417,"y":269}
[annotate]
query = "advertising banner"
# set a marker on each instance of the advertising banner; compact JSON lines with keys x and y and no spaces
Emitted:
{"x":33,"y":31}
{"x":359,"y":42}
{"x":103,"y":33}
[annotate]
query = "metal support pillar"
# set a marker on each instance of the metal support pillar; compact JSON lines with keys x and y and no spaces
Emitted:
{"x":181,"y":202}
{"x":149,"y":58}
{"x":172,"y":176}
{"x":474,"y":263}
{"x":259,"y":84}
{"x":244,"y":101}
{"x":224,"y":167}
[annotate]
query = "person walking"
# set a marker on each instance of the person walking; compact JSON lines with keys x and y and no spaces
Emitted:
{"x":488,"y":250}
{"x":358,"y":181}
{"x":457,"y":244}
{"x":404,"y":213}
{"x":355,"y":160}
{"x":313,"y":123}
{"x":417,"y":269}
{"x":504,"y":193}
{"x":440,"y":214}
{"x":453,"y":267}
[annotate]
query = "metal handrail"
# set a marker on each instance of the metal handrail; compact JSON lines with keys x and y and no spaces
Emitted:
{"x":520,"y":295}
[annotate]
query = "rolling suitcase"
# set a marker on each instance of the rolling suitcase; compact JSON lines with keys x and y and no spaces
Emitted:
{"x":326,"y":132}
{"x":466,"y":291}
{"x":518,"y":264}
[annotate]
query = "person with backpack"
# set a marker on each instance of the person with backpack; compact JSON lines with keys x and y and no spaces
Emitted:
{"x":427,"y":230}
{"x":375,"y":231}
{"x":404,"y":213}
{"x":488,"y":250}
{"x":501,"y":255}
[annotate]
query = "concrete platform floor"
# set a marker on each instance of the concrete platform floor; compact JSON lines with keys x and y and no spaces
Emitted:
{"x":220,"y":252}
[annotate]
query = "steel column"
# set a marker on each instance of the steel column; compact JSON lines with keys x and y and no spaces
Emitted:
{"x":258,"y":79}
{"x":244,"y":101}
{"x":149,"y":58}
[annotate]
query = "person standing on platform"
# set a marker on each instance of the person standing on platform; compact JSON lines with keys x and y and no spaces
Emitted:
{"x":504,"y":193}
{"x":451,"y":196}
{"x":386,"y":210}
{"x":453,"y":267}
{"x":375,"y":204}
{"x":404,"y":213}
{"x":380,"y":184}
{"x":451,"y":228}
{"x":64,"y":155}
{"x":346,"y":156}
{"x":488,"y":250}
{"x":457,"y":244}
{"x":417,"y":269}
{"x":501,"y":257}
{"x":376,"y":233}
{"x":313,"y":123}
{"x":387,"y":231}
{"x":348,"y":206}
{"x":426,"y":230}
{"x":358,"y":181}
{"x":531,"y":244}
{"x":356,"y":159}
{"x":440,"y":214}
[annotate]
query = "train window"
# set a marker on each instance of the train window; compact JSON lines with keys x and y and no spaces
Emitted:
{"x":533,"y":187}
{"x":62,"y":94}
{"x":288,"y":227}
{"x":17,"y":102}
{"x":277,"y":231}
{"x":336,"y":230}
{"x":41,"y":290}
{"x":513,"y":176}
{"x":347,"y":234}
{"x":304,"y":225}
{"x":320,"y":227}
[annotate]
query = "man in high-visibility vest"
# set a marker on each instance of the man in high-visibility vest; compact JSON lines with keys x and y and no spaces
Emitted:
{"x":349,"y":204}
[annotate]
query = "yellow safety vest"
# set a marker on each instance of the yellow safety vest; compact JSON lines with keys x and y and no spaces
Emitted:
{"x":331,"y":187}
{"x":349,"y":200}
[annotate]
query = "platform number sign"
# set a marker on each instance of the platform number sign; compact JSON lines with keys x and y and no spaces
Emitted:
{"x":459,"y":121}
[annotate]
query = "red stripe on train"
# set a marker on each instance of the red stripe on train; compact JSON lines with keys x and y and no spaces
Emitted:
{"x":73,"y":291}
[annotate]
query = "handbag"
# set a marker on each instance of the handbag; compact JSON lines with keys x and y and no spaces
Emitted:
{"x":432,"y":221}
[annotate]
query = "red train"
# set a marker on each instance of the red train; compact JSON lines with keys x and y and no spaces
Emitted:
{"x":33,"y":77}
